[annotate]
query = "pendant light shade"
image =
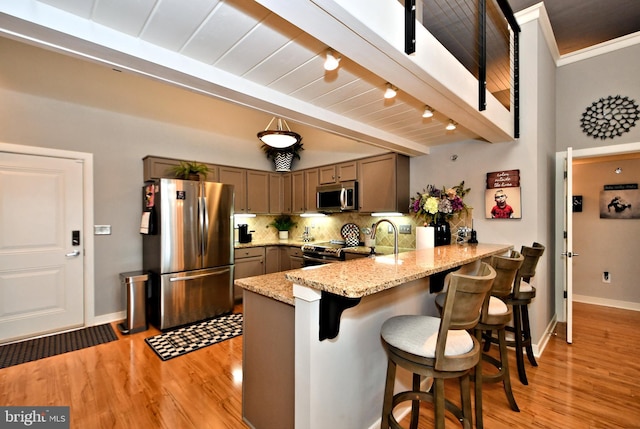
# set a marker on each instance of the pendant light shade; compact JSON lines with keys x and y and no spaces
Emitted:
{"x":281,"y":136}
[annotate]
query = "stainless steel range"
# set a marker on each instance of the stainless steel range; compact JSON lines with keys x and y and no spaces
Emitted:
{"x":323,"y":253}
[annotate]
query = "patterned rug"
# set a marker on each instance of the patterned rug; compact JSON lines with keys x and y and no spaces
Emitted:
{"x":30,"y":350}
{"x":196,"y":336}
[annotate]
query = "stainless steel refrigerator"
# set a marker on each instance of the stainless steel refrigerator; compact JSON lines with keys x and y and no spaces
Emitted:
{"x":188,"y":252}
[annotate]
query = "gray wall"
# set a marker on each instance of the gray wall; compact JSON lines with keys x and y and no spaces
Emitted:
{"x":603,"y":244}
{"x":583,"y":82}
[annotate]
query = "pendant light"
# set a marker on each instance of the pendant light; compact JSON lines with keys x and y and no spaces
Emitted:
{"x":281,"y":137}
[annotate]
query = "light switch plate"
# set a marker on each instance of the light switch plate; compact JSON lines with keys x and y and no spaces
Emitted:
{"x":102,"y":229}
{"x":404,"y":229}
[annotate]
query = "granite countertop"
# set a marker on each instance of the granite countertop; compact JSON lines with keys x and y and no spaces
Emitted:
{"x":366,"y":276}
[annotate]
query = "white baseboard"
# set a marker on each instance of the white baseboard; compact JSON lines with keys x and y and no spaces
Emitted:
{"x":106,"y":318}
{"x":539,"y":347}
{"x":625,"y":305}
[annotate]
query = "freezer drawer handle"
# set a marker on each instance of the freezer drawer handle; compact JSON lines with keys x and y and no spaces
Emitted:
{"x":197,"y":276}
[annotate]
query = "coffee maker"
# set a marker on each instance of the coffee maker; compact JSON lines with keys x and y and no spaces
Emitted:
{"x":243,"y":233}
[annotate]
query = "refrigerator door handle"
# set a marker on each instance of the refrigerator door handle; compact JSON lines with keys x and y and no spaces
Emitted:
{"x":205,"y":223}
{"x":198,"y":276}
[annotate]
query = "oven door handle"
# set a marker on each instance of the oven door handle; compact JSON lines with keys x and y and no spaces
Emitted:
{"x":319,"y":260}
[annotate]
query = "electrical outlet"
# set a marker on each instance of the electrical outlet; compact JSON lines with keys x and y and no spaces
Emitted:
{"x":404,"y":229}
{"x":606,"y":277}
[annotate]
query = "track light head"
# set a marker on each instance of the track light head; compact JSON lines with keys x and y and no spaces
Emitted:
{"x":332,"y":61}
{"x":390,"y":92}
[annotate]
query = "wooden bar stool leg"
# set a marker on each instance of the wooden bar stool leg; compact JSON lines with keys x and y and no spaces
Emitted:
{"x":517,"y":324}
{"x":526,"y":332}
{"x":506,"y":377}
{"x":415,"y":405}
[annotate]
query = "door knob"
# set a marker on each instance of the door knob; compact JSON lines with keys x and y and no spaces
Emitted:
{"x":74,"y":253}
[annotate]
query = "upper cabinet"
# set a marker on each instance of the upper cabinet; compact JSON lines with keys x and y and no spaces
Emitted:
{"x":342,"y":172}
{"x":311,"y":183}
{"x":279,"y":193}
{"x":297,"y":192}
{"x":383,"y":183}
{"x":251,"y":189}
{"x":238,"y":178}
{"x":257,"y":192}
{"x":156,"y":167}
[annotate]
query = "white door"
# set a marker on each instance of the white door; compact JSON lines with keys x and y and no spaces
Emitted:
{"x":568,"y":248}
{"x":41,"y":254}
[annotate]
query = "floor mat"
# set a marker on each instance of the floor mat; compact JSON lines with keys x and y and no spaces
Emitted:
{"x":196,"y":336}
{"x":30,"y":350}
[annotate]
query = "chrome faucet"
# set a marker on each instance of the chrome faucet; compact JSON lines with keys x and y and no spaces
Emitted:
{"x":395,"y":233}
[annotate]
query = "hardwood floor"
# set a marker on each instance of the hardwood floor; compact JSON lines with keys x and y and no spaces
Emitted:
{"x":593,"y":383}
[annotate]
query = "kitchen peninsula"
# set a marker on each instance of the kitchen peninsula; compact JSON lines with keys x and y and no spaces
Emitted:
{"x":299,"y":373}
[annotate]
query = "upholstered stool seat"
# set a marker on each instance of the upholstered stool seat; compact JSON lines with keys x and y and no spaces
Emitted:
{"x":440,"y":348}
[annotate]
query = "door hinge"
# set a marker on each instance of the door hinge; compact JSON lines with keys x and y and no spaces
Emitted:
{"x":565,"y":174}
{"x":564,"y":234}
{"x":565,"y":294}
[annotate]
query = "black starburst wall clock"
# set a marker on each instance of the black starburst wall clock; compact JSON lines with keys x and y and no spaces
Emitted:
{"x":609,"y":117}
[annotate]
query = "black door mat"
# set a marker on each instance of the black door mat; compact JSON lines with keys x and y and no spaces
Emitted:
{"x":196,"y":336}
{"x":30,"y":350}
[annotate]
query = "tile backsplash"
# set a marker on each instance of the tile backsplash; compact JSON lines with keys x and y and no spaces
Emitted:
{"x":328,"y":228}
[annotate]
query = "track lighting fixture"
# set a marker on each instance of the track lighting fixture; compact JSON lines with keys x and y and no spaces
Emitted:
{"x":451,"y":125}
{"x":428,"y":112}
{"x":390,"y":92}
{"x":332,"y":61}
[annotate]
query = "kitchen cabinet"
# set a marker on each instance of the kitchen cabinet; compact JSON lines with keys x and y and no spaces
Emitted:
{"x":156,"y":167}
{"x":297,"y":192}
{"x":383,"y":183}
{"x":272,"y":259}
{"x":287,"y":200}
{"x":251,"y":189}
{"x":238,"y":178}
{"x":279,"y":194}
{"x":257,"y":192}
{"x":342,"y":172}
{"x":310,"y":184}
{"x":249,"y":262}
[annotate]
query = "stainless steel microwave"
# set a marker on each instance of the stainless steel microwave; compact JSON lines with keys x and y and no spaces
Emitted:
{"x":337,"y":197}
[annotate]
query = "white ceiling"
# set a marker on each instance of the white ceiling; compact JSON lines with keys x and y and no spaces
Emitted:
{"x":241,"y":52}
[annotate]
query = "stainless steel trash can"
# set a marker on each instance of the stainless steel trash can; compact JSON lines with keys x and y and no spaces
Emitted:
{"x":135,"y":291}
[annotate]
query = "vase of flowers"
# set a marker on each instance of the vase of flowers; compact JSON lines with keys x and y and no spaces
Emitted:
{"x":435,"y":207}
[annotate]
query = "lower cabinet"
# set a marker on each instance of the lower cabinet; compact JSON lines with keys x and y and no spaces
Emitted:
{"x":272,"y":259}
{"x":249,"y":262}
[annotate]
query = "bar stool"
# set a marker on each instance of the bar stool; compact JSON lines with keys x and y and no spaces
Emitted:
{"x":495,"y":316}
{"x":520,"y":298}
{"x":440,"y":348}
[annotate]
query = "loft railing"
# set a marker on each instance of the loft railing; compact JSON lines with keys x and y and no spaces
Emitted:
{"x":483,"y":35}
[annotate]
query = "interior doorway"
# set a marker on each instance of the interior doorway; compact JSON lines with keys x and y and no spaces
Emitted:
{"x":564,"y":288}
